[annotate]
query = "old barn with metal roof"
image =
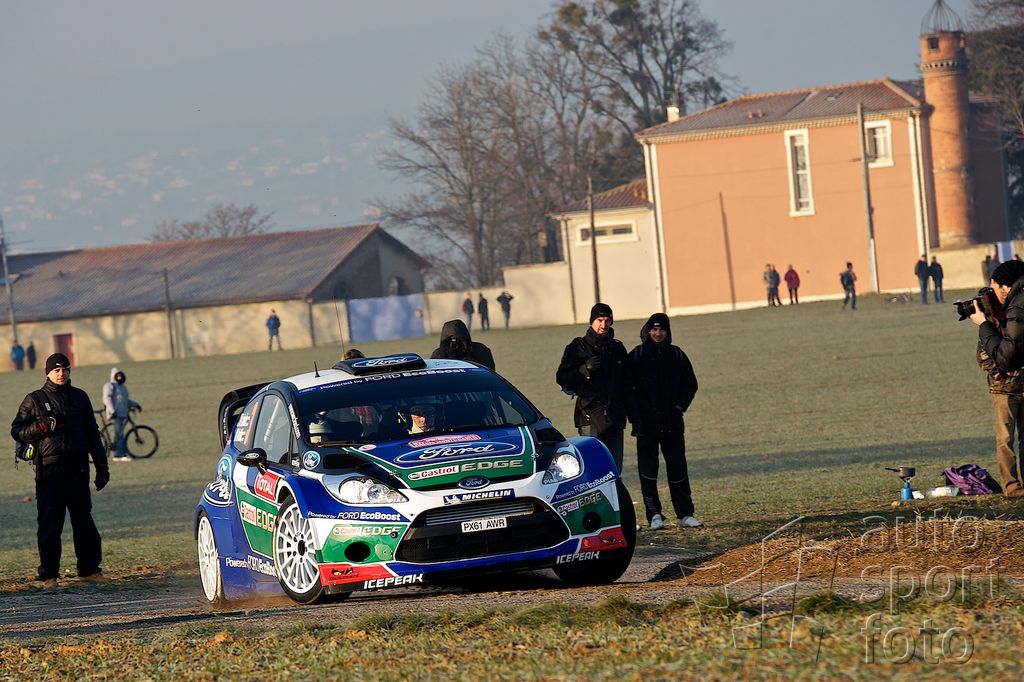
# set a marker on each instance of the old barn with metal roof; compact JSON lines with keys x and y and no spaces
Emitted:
{"x":204,"y":296}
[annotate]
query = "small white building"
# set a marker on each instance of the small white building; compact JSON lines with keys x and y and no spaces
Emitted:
{"x":627,"y":252}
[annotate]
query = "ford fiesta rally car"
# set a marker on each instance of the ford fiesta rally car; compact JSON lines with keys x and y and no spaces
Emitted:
{"x":394,"y":471}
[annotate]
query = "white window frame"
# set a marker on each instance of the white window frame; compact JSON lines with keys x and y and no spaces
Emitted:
{"x":789,"y":136}
{"x":607,"y":238}
{"x":879,"y":161}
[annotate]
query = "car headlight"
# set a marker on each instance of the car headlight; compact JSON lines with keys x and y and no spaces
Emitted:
{"x":368,"y":491}
{"x":564,"y":466}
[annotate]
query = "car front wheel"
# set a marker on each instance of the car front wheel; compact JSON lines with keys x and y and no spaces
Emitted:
{"x":209,"y":561}
{"x":295,"y":555}
{"x":611,"y":564}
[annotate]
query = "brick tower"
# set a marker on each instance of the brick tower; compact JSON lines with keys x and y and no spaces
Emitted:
{"x":944,"y":68}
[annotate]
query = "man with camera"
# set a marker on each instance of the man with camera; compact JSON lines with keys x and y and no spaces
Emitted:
{"x":456,"y":344}
{"x":1001,"y":355}
{"x":58,"y":420}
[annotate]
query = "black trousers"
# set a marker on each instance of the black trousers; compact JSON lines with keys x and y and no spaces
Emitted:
{"x":673,"y":446}
{"x":612,"y":439}
{"x":61,"y":490}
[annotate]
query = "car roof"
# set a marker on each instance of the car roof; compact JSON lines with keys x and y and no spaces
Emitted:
{"x":333,"y":376}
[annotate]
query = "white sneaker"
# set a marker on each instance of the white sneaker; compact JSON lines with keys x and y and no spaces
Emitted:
{"x":657,"y":522}
{"x":690,"y":522}
{"x":126,"y":458}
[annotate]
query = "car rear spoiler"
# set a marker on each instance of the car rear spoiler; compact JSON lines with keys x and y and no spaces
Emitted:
{"x":231,"y":407}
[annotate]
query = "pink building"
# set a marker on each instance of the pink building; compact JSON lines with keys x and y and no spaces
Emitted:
{"x":779,"y":178}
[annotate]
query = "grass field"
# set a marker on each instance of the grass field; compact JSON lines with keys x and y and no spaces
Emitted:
{"x":799,"y":411}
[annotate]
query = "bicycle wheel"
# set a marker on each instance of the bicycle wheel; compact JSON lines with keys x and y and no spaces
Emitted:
{"x":141,"y":441}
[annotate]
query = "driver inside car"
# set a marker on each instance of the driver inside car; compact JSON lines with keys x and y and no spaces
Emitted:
{"x":424,"y":418}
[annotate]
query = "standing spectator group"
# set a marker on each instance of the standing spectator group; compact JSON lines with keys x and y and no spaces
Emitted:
{"x":651,"y":387}
{"x":772,"y":280}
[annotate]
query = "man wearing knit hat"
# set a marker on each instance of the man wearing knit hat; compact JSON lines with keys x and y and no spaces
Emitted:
{"x":593,"y":368}
{"x":1001,"y":354}
{"x":1005,"y":346}
{"x":59,"y":422}
{"x":663,"y":385}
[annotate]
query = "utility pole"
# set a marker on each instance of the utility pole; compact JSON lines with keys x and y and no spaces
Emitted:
{"x":7,"y":279}
{"x":170,"y":315}
{"x":593,"y":239}
{"x":868,"y":208}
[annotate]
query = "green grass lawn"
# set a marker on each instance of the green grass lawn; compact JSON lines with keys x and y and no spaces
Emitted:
{"x":799,"y":411}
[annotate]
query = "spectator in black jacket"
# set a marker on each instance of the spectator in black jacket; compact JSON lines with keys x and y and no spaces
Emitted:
{"x":662,"y":387}
{"x":58,"y":420}
{"x":456,"y":344}
{"x":1005,"y":346}
{"x":593,"y":369}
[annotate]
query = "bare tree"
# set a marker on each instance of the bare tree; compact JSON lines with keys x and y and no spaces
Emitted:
{"x":997,"y":67}
{"x":446,"y":152}
{"x":495,"y":147}
{"x":640,"y":50}
{"x":221,"y":220}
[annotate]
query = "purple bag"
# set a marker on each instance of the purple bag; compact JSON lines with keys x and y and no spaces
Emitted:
{"x":972,"y":480}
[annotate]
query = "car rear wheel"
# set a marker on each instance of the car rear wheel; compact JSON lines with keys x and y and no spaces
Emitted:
{"x":295,"y":555}
{"x":611,"y":564}
{"x":209,"y":561}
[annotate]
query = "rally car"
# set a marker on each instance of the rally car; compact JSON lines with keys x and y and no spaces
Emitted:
{"x":392,"y":471}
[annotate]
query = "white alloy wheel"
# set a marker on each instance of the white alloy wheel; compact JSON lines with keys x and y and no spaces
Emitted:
{"x":209,"y":561}
{"x":295,"y":555}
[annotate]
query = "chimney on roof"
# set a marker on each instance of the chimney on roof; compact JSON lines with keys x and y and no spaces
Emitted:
{"x":672,"y":106}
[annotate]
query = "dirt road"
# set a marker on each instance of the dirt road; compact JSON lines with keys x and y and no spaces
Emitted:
{"x":115,"y":607}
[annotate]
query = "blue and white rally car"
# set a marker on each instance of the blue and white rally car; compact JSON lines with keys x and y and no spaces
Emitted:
{"x":392,"y":471}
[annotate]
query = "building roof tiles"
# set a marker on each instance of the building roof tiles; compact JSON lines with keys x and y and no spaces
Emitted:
{"x":200,"y":272}
{"x":633,"y":194}
{"x":794,"y":106}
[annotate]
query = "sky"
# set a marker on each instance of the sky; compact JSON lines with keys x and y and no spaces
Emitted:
{"x":119,"y":114}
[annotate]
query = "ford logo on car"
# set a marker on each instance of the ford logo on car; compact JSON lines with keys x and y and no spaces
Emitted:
{"x":474,"y":482}
{"x":386,"y":362}
{"x":459,"y":451}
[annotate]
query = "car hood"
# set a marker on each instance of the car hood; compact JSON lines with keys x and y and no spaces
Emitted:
{"x":446,"y":459}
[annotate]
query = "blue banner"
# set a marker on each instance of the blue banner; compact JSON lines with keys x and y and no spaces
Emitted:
{"x":387,"y":318}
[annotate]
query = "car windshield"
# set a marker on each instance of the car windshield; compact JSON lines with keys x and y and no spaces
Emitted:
{"x":384,"y":407}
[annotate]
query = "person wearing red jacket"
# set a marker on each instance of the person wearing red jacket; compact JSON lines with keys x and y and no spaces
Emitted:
{"x":793,"y":282}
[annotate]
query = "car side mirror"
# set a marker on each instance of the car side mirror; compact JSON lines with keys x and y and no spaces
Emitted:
{"x":257,"y":457}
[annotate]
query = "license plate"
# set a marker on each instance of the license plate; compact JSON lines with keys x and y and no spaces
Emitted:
{"x":484,"y":524}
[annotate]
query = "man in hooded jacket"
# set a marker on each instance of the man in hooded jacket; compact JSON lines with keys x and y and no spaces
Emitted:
{"x":59,"y":422}
{"x":118,"y":404}
{"x":593,"y":368}
{"x":456,"y":344}
{"x":662,"y":387}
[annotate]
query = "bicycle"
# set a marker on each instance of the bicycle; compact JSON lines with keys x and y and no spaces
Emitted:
{"x":141,"y":441}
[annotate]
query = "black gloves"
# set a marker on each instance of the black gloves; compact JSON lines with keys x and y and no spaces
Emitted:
{"x":102,"y":477}
{"x":47,"y":424}
{"x":595,"y":363}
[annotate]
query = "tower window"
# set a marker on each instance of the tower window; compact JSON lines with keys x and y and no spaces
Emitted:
{"x":878,"y":139}
{"x":933,"y":43}
{"x":798,"y":163}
